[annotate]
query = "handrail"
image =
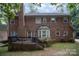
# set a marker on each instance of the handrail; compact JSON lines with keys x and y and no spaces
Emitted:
{"x":14,"y":39}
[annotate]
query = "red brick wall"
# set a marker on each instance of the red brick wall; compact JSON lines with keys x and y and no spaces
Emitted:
{"x":30,"y":25}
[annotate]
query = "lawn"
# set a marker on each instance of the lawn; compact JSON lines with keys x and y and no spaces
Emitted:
{"x":3,"y":50}
{"x":56,"y":49}
{"x":77,"y":49}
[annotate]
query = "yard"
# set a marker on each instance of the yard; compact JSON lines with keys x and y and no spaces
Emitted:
{"x":56,"y":49}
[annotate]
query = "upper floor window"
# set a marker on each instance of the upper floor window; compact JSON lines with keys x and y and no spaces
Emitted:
{"x":65,"y":20}
{"x":38,"y":20}
{"x":53,"y":19}
{"x":12,"y":22}
{"x":44,"y":20}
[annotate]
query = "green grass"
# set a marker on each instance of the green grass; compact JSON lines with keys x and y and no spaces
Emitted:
{"x":3,"y":50}
{"x":77,"y":49}
{"x":58,"y":46}
{"x":64,"y":45}
{"x":69,"y":48}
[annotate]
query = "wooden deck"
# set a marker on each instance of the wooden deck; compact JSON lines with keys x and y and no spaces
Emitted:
{"x":24,"y":45}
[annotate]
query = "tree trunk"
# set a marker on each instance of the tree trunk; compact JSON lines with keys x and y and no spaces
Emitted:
{"x":21,"y":27}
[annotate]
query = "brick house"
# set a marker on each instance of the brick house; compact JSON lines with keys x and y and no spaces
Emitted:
{"x":45,"y":26}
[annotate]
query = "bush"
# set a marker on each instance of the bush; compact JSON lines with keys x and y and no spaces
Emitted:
{"x":72,"y":40}
{"x":47,"y":42}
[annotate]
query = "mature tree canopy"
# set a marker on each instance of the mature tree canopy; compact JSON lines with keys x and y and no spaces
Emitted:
{"x":74,"y":10}
{"x":8,"y":11}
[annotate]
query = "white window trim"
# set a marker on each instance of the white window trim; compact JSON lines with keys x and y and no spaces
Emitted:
{"x":31,"y":34}
{"x":38,"y":33}
{"x":48,"y":33}
{"x":38,"y":20}
{"x":41,"y":34}
{"x":28,"y":34}
{"x":54,"y":19}
{"x":44,"y":20}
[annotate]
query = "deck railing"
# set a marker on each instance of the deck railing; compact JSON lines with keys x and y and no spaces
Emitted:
{"x":32,"y":39}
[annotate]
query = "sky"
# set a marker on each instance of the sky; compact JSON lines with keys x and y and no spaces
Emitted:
{"x":46,"y":8}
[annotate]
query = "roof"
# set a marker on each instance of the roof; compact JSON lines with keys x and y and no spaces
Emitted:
{"x":47,"y":14}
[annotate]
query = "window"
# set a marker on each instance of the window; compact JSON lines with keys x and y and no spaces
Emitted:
{"x":53,"y":19}
{"x":44,"y":20}
{"x":29,"y":34}
{"x":65,"y":33}
{"x":65,"y":20}
{"x":38,"y":20}
{"x":57,"y":33}
{"x":12,"y":22}
{"x":44,"y":32}
{"x":13,"y":34}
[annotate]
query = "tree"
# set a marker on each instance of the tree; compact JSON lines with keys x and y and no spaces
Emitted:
{"x":8,"y":11}
{"x":74,"y":10}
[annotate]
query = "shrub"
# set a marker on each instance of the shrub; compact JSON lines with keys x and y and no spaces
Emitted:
{"x":47,"y":42}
